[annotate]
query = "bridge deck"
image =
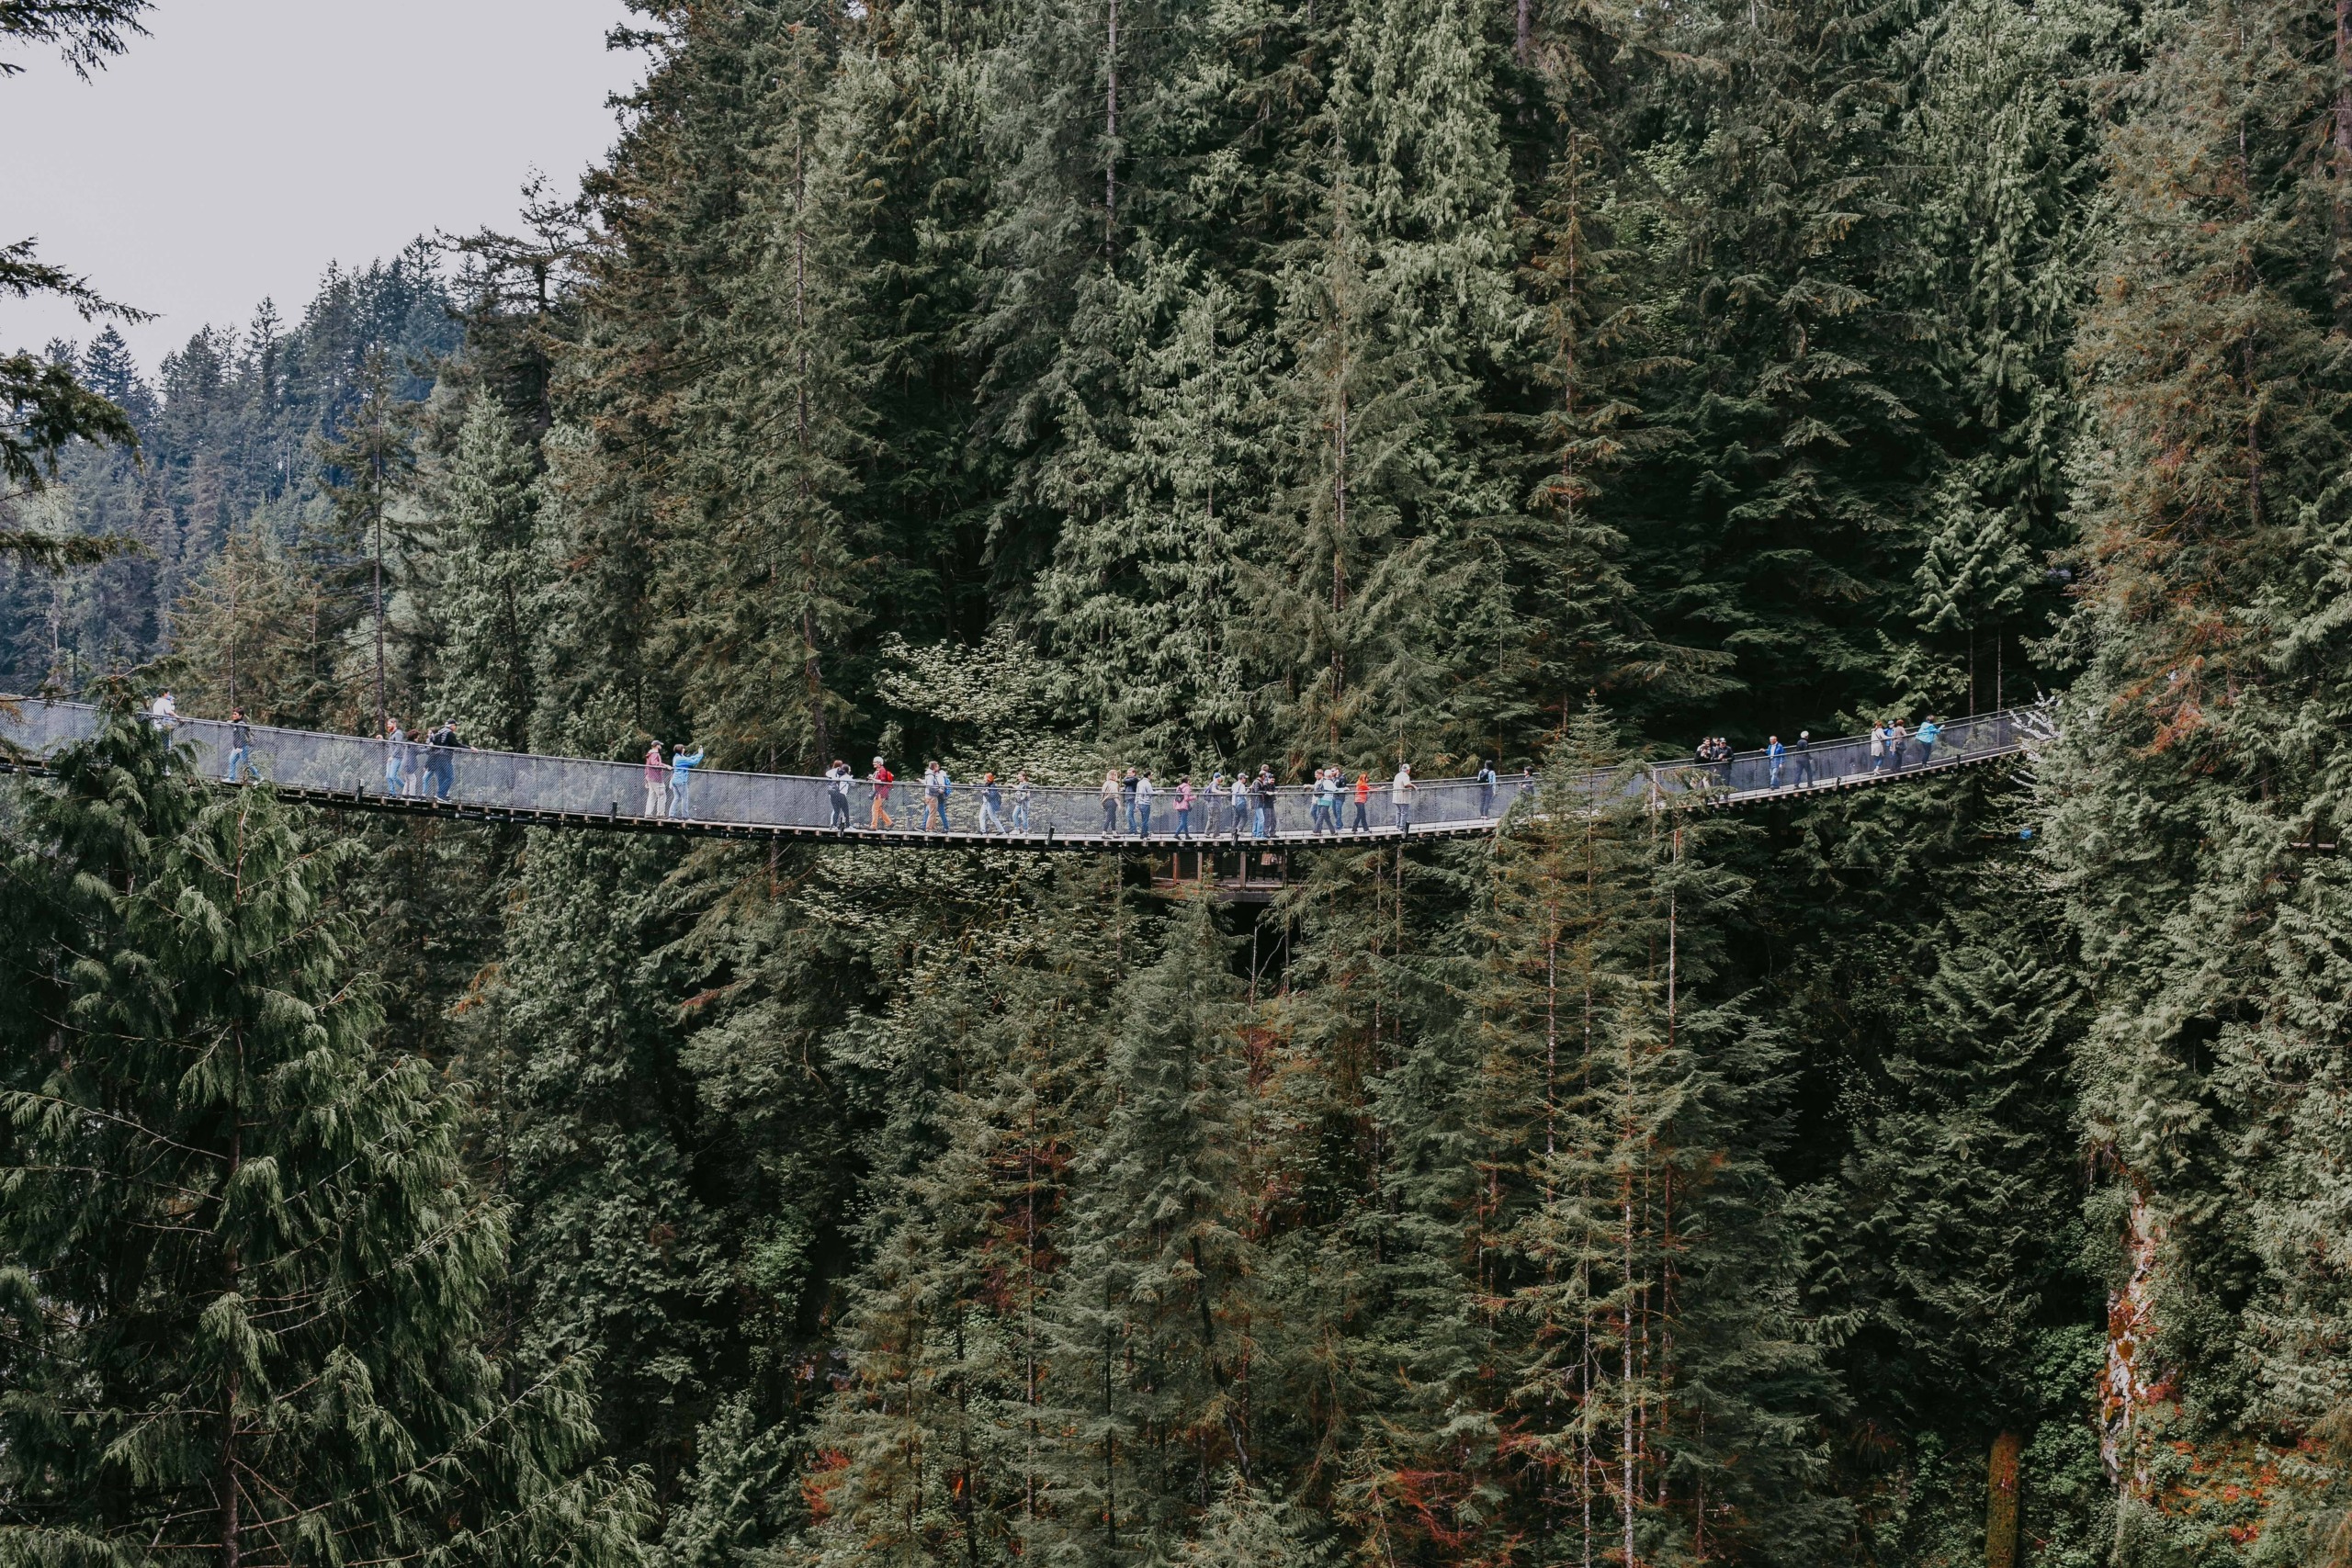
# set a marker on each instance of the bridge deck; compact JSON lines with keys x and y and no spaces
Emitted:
{"x":351,"y":772}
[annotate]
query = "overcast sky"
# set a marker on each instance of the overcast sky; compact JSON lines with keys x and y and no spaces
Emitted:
{"x":244,"y":145}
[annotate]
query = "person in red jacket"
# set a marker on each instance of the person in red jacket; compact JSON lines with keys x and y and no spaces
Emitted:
{"x":882,"y":779}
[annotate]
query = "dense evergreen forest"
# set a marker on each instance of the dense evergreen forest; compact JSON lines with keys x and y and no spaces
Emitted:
{"x":1944,"y":1173}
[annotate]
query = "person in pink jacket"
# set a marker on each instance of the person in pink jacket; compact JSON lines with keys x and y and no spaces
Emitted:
{"x":657,"y":782}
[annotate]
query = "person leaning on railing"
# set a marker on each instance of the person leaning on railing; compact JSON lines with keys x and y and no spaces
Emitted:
{"x":681,"y":767}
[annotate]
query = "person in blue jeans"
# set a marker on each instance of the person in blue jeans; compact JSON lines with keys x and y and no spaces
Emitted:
{"x":241,"y":749}
{"x":1485,"y":790}
{"x":1778,"y":753}
{"x":1140,"y":823}
{"x":681,"y":765}
{"x":441,"y":760}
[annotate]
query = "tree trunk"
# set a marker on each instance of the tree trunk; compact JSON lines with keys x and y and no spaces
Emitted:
{"x":2001,"y":1503}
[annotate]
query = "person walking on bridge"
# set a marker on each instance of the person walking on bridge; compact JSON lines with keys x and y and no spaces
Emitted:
{"x":657,"y":781}
{"x":1881,"y":733}
{"x":1184,"y":807}
{"x":1929,"y":733}
{"x":1896,"y":739}
{"x":1485,"y":773}
{"x":991,"y":806}
{"x":241,"y":748}
{"x":1401,"y":790}
{"x":936,"y":788}
{"x":1111,"y":803}
{"x":837,"y":779}
{"x":1777,"y":754}
{"x":1238,"y":798}
{"x":1804,"y":756}
{"x":395,"y":759}
{"x":1140,"y":812}
{"x":680,"y":767}
{"x":881,"y":778}
{"x":1327,"y":801}
{"x":1021,"y":801}
{"x":1213,"y":803}
{"x":1261,"y":797}
{"x":1363,"y":823}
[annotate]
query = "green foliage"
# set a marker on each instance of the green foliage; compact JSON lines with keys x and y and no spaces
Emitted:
{"x":249,"y":1281}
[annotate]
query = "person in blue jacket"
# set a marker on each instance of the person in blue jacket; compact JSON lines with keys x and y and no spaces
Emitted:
{"x":1929,"y":733}
{"x":681,"y":765}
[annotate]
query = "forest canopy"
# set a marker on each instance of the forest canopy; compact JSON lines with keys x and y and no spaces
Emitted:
{"x":1940,"y":1172}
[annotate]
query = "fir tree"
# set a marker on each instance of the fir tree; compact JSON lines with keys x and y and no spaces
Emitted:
{"x":1151,"y":1318}
{"x":766,"y":593}
{"x":493,"y":571}
{"x":2199,"y":753}
{"x":247,"y":1276}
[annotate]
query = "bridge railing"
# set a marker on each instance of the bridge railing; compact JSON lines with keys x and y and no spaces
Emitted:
{"x":1845,"y":760}
{"x":416,"y":772}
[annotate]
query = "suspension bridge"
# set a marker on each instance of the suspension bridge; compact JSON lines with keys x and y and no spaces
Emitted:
{"x":416,"y":778}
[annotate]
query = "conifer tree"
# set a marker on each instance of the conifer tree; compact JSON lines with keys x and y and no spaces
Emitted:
{"x":1656,"y":1396}
{"x":1152,"y":1316}
{"x":493,"y":573}
{"x":1160,"y":518}
{"x":946,"y":1433}
{"x":247,"y":1276}
{"x":368,"y":461}
{"x":1381,"y":565}
{"x":2199,"y":753}
{"x":764,"y":590}
{"x":248,"y":631}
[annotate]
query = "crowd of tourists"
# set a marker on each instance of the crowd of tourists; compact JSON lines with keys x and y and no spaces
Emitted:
{"x":1135,"y":805}
{"x":422,"y":763}
{"x":1793,"y":766}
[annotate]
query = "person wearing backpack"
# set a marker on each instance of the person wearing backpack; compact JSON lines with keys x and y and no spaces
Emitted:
{"x":1485,"y":791}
